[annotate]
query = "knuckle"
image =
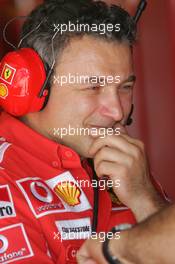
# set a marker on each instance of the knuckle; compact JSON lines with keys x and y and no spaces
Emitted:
{"x":100,"y":167}
{"x":137,"y":153}
{"x":142,"y":145}
{"x":98,"y":157}
{"x":123,"y":171}
{"x":102,"y":151}
{"x":131,"y":161}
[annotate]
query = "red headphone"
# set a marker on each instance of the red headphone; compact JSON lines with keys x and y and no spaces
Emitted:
{"x":22,"y":82}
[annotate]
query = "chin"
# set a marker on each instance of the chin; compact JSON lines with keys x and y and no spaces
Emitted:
{"x":83,"y":147}
{"x":83,"y":152}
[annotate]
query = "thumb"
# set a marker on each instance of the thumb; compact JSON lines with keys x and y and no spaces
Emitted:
{"x":89,"y":262}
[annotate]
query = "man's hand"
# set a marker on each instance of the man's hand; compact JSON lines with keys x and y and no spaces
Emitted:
{"x":123,"y":158}
{"x":91,"y":251}
{"x":133,"y":247}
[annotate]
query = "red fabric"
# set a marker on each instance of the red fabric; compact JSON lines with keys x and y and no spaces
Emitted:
{"x":32,"y":168}
{"x":154,"y":92}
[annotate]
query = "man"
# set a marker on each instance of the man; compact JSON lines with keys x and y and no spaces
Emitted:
{"x":43,"y":169}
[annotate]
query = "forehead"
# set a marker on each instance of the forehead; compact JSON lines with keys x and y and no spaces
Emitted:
{"x":90,"y":55}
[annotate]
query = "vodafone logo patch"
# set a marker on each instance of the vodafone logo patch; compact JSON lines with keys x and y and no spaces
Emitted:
{"x":40,"y":198}
{"x":6,"y":203}
{"x":10,"y":251}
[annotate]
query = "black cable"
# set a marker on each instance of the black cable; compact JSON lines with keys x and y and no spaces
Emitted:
{"x":96,"y":198}
{"x":5,"y":29}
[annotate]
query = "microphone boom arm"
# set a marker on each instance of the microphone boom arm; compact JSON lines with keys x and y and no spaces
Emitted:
{"x":141,"y":7}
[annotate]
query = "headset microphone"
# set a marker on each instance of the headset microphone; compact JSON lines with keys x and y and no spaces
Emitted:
{"x":141,"y":7}
{"x":130,"y":120}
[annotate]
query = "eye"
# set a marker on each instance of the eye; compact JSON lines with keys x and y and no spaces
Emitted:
{"x":94,"y":88}
{"x":97,"y":87}
{"x":127,"y":87}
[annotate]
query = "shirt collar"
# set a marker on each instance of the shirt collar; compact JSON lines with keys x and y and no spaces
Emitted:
{"x":17,"y":133}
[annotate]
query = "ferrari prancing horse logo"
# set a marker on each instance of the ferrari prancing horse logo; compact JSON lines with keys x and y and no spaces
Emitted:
{"x":8,"y":73}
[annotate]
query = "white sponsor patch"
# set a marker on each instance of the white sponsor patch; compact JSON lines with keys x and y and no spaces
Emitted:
{"x":40,"y":198}
{"x":10,"y":250}
{"x":6,"y":203}
{"x":72,"y":196}
{"x":3,"y":148}
{"x":74,"y":229}
{"x":8,"y":73}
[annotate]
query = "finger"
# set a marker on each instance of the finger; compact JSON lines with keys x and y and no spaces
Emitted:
{"x":89,"y":261}
{"x":91,"y":251}
{"x":110,"y":168}
{"x":110,"y":141}
{"x":103,"y":132}
{"x":120,"y":128}
{"x":123,"y":142}
{"x":112,"y":155}
{"x":133,"y":141}
{"x":82,"y":260}
{"x":84,"y":252}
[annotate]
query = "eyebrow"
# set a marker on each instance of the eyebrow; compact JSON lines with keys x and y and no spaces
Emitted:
{"x":131,"y":78}
{"x":91,"y":78}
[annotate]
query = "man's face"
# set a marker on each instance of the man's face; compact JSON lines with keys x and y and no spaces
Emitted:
{"x":89,"y":105}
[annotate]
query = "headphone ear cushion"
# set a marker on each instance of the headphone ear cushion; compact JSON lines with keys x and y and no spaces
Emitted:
{"x":22,"y":75}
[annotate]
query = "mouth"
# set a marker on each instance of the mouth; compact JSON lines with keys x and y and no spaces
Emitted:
{"x":96,"y":131}
{"x":120,"y":127}
{"x":95,"y":126}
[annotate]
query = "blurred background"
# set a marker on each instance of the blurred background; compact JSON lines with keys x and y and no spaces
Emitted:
{"x":154,"y":57}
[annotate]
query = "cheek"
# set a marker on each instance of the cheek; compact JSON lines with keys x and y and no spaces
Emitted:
{"x":83,"y":108}
{"x":73,"y":108}
{"x":126,"y":102}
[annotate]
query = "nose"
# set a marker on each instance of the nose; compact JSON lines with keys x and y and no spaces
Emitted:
{"x":112,"y":107}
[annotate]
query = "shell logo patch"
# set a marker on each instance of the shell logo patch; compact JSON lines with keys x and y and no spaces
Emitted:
{"x":69,"y":192}
{"x":66,"y":188}
{"x":3,"y":91}
{"x":8,"y":73}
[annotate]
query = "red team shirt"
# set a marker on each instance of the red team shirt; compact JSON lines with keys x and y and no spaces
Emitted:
{"x":36,"y":208}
